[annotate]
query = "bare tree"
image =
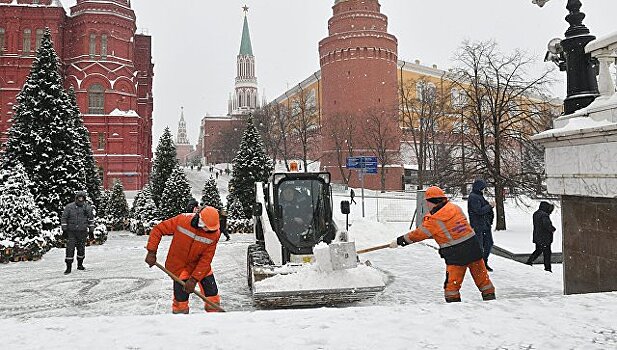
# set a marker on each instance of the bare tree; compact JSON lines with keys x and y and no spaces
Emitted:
{"x":304,"y":124}
{"x":229,"y":140}
{"x":266,"y":123}
{"x":382,"y":135}
{"x":499,"y":111}
{"x":341,"y":130}
{"x":428,"y":125}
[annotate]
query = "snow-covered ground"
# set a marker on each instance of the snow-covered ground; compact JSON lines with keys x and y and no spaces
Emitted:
{"x":119,"y":303}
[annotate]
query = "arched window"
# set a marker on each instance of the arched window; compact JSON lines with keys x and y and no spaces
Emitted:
{"x":27,"y":41}
{"x":92,"y":49}
{"x":2,"y":32}
{"x":96,"y":99}
{"x":39,"y":38}
{"x":104,"y":46}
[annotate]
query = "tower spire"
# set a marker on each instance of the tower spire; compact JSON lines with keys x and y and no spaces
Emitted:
{"x":246,"y":48}
{"x":182,"y":138}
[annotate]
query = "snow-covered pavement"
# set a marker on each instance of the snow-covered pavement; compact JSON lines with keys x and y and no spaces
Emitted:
{"x":119,"y":303}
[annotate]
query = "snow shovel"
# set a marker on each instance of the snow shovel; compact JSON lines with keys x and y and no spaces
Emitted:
{"x":198,"y":293}
{"x":362,"y":251}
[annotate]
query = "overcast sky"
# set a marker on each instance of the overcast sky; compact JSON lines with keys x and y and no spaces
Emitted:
{"x":195,"y":42}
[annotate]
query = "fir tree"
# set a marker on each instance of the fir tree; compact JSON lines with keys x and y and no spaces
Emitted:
{"x":176,"y":194}
{"x":117,"y":208}
{"x":164,"y":163}
{"x":84,"y":146}
{"x":144,"y":208}
{"x":237,"y":221}
{"x":101,"y":210}
{"x":210,"y":194}
{"x":42,"y":137}
{"x":20,"y":217}
{"x":251,"y":164}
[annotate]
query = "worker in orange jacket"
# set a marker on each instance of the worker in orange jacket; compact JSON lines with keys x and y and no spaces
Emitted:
{"x":195,"y":236}
{"x":448,"y":226}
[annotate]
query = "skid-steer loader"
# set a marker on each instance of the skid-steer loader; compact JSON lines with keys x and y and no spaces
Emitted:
{"x":300,"y":257}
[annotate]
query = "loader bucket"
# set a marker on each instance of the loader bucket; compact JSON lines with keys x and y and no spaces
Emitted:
{"x":306,"y":285}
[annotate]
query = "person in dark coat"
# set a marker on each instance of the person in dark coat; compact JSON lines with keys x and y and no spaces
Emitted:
{"x":77,"y":225}
{"x":481,"y":218}
{"x":352,"y":195}
{"x":542,"y":234}
{"x":192,"y":206}
{"x":223,"y":223}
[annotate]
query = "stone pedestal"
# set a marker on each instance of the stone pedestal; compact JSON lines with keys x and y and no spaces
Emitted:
{"x":581,"y":166}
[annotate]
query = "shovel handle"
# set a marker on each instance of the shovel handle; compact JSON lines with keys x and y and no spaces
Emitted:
{"x":198,"y":293}
{"x":362,"y":251}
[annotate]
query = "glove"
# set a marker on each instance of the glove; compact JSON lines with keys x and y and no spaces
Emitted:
{"x":91,"y":234}
{"x":65,"y":235}
{"x":400,"y":241}
{"x":151,"y":258}
{"x":189,"y":285}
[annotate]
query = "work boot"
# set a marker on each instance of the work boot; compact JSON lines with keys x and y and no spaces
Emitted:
{"x":68,"y":267}
{"x":453,"y":300}
{"x":80,"y":264}
{"x":488,"y":296}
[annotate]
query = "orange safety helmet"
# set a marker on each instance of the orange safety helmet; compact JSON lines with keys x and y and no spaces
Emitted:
{"x":434,"y":192}
{"x":209,"y":219}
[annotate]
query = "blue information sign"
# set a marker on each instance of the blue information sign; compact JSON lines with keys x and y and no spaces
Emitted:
{"x":367,"y":164}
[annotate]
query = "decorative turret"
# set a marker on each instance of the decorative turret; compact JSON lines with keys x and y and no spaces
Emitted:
{"x":245,"y":98}
{"x":181,"y":137}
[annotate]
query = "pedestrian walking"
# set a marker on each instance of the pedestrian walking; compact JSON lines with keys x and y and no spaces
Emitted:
{"x":195,"y":236}
{"x":77,"y":224}
{"x":352,"y":195}
{"x":448,"y":226}
{"x":223,"y":220}
{"x":481,"y":218}
{"x":543,"y":230}
{"x":192,"y":206}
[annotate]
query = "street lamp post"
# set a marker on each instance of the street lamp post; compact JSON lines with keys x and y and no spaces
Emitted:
{"x":582,"y":85}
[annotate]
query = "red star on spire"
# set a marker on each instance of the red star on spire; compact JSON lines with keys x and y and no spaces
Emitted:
{"x":245,"y":8}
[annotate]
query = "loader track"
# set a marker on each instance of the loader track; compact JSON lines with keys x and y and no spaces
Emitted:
{"x":82,"y":295}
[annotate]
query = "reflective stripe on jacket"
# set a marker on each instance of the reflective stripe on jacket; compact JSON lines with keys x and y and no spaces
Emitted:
{"x":191,"y":249}
{"x":448,"y":227}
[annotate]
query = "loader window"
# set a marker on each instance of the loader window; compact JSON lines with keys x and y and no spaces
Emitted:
{"x":302,"y":207}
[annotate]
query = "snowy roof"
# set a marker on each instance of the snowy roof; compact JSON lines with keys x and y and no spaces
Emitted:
{"x":54,"y":3}
{"x":118,"y":113}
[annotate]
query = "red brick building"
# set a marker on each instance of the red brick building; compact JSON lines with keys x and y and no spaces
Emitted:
{"x":108,"y":64}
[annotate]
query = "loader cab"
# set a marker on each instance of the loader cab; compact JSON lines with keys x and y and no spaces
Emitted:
{"x":302,"y":211}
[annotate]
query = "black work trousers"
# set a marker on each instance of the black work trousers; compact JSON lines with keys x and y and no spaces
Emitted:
{"x":544,"y":249}
{"x":76,"y":239}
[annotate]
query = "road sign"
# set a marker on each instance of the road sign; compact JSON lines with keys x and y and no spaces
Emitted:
{"x":368,"y":164}
{"x":354,"y":162}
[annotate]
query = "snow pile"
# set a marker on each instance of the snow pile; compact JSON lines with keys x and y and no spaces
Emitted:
{"x":310,"y":277}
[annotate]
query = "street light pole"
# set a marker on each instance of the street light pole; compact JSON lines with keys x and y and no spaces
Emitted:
{"x":582,"y":85}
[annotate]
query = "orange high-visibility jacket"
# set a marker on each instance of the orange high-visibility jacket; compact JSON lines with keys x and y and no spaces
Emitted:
{"x":448,"y":227}
{"x":191,"y":249}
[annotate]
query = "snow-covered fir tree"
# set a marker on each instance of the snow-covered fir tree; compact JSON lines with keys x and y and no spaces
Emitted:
{"x":237,"y":221}
{"x":251,"y":164}
{"x":144,"y":213}
{"x":90,"y":172}
{"x":176,"y":194}
{"x":117,"y":209}
{"x":101,"y":210}
{"x":164,"y":163}
{"x":21,"y":227}
{"x":210,"y":194}
{"x":43,"y":139}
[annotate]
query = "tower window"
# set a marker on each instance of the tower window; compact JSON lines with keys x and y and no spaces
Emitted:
{"x":27,"y":41}
{"x":101,"y":142}
{"x":104,"y":46}
{"x":96,"y":99}
{"x":92,"y":50}
{"x":2,"y":31}
{"x":39,"y":38}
